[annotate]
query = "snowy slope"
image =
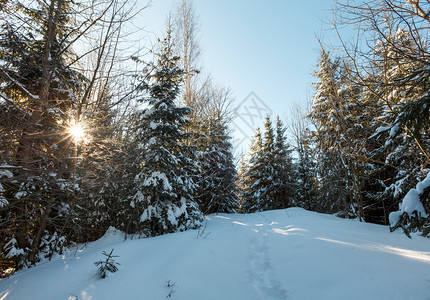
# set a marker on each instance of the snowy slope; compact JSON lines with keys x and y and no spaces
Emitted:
{"x":284,"y":254}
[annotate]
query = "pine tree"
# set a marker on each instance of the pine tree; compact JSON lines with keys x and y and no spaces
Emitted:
{"x":164,"y":186}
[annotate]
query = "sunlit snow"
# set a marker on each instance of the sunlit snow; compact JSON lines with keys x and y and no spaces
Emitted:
{"x":283,"y":254}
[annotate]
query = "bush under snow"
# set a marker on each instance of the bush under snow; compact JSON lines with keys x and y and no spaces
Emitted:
{"x":411,"y":214}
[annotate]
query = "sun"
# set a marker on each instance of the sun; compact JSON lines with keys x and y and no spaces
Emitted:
{"x":76,"y":131}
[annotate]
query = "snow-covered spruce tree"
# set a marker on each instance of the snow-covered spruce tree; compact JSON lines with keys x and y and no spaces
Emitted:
{"x":107,"y":168}
{"x":304,"y":165}
{"x":164,"y":186}
{"x":38,"y":90}
{"x":268,"y":174}
{"x":401,"y":138}
{"x":216,"y":184}
{"x":249,"y":178}
{"x":121,"y":211}
{"x":394,"y":75}
{"x":283,"y":171}
{"x":276,"y":176}
{"x":267,"y":181}
{"x":326,"y":114}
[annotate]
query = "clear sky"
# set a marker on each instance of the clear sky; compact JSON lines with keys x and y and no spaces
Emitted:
{"x":267,"y":48}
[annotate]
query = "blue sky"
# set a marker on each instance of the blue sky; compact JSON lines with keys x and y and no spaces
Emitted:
{"x":267,"y":48}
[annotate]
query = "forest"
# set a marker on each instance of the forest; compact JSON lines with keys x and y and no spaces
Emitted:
{"x":98,"y":132}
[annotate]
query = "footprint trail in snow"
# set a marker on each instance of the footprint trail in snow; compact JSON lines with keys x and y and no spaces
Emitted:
{"x":261,"y":275}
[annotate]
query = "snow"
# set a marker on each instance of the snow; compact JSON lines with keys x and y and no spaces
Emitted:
{"x":174,"y":212}
{"x":411,"y":202}
{"x":12,"y":250}
{"x":148,"y":213}
{"x":394,"y":130}
{"x":380,"y":130}
{"x":3,"y":200}
{"x":152,"y":141}
{"x":153,"y":125}
{"x":148,"y":112}
{"x":55,"y":111}
{"x":153,"y":179}
{"x":21,"y":194}
{"x":422,"y":185}
{"x":282,"y":254}
{"x":5,"y":173}
{"x":394,"y":217}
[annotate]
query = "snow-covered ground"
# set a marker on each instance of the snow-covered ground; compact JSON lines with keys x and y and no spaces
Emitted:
{"x":284,"y":254}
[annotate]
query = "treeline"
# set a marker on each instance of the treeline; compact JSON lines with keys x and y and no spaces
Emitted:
{"x":362,"y":148}
{"x":364,"y":145}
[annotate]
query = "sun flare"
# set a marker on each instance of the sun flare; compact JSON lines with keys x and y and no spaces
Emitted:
{"x":77,"y":132}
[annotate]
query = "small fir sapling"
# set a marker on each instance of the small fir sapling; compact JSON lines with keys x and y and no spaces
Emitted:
{"x":108,"y":265}
{"x":201,"y":233}
{"x":171,"y":285}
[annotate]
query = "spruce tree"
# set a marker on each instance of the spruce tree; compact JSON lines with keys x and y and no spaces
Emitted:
{"x":400,"y":139}
{"x":267,"y":180}
{"x":38,"y":92}
{"x":283,"y":174}
{"x":164,"y":186}
{"x":250,"y":177}
{"x":327,"y":113}
{"x":305,"y":182}
{"x":217,"y":190}
{"x":268,"y":174}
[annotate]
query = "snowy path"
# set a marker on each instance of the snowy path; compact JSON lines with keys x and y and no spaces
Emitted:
{"x":277,"y":255}
{"x":265,"y":285}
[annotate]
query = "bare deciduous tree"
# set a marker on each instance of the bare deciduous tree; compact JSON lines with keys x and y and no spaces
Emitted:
{"x":187,"y":40}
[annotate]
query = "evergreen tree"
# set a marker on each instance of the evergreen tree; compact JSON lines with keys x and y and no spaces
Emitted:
{"x":164,"y":186}
{"x":38,"y":92}
{"x":305,"y":170}
{"x":250,"y":177}
{"x":392,"y":107}
{"x":217,"y":189}
{"x":327,"y":114}
{"x":267,"y":182}
{"x":370,"y":151}
{"x":267,"y":174}
{"x":283,"y":172}
{"x":400,"y":140}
